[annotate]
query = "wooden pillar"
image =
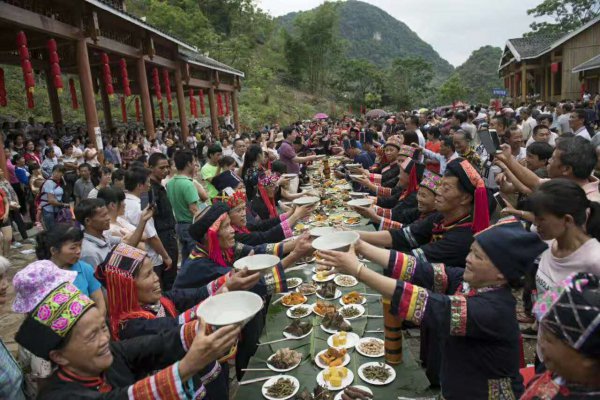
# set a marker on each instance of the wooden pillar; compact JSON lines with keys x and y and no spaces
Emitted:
{"x":54,"y":100}
{"x":88,"y":97}
{"x":235,"y":109}
{"x":108,"y":121}
{"x":181,"y":104}
{"x":145,"y":98}
{"x":523,"y":82}
{"x":214,"y":119}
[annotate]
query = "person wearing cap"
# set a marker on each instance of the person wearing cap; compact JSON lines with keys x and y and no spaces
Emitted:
{"x":472,"y":309}
{"x":63,"y":325}
{"x":569,"y":317}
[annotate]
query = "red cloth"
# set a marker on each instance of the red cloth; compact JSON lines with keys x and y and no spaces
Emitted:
{"x":435,"y":147}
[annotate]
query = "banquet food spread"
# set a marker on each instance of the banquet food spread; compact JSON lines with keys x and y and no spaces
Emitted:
{"x":293,"y":299}
{"x":298,"y":328}
{"x":335,"y":321}
{"x":285,"y":358}
{"x":333,"y":357}
{"x":352,"y":298}
{"x":283,"y":387}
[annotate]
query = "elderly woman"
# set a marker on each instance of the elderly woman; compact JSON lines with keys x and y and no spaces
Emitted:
{"x":11,"y":378}
{"x":388,"y":178}
{"x":472,"y":308}
{"x":569,"y":317}
{"x":264,"y":203}
{"x":64,"y":326}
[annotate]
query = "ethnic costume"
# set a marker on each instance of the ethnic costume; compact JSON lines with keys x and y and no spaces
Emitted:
{"x":207,"y":263}
{"x":571,"y":312}
{"x":473,"y":158}
{"x":273,"y":230}
{"x":388,"y":177}
{"x":478,"y":332}
{"x":262,"y":205}
{"x":54,"y":311}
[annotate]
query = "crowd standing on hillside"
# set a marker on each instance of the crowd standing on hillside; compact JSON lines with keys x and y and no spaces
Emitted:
{"x":141,"y":231}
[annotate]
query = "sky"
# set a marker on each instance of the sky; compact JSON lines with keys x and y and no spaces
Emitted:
{"x":453,"y":28}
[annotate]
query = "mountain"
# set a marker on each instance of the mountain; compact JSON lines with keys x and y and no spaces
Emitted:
{"x":479,"y":73}
{"x":374,"y":35}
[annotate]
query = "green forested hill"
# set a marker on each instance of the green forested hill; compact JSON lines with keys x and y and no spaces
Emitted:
{"x":374,"y":35}
{"x":479,"y":73}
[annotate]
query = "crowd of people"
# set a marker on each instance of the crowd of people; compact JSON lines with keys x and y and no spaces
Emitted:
{"x":135,"y":235}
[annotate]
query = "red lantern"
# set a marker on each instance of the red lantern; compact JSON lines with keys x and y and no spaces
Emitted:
{"x":137,"y":109}
{"x":3,"y":101}
{"x":123,"y":109}
{"x":191,"y":95}
{"x":167,"y":82}
{"x":156,"y":85}
{"x":124,"y":77}
{"x":28,"y":76}
{"x":107,"y":75}
{"x":55,"y":66}
{"x":74,"y":103}
{"x":219,"y":104}
{"x":554,"y":68}
{"x":226,"y":103}
{"x":202,"y":107}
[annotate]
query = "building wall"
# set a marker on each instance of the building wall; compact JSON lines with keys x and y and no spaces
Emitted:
{"x":574,"y":52}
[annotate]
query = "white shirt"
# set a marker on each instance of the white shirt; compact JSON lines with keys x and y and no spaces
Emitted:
{"x":238,"y":160}
{"x":551,"y":141}
{"x":583,"y":132}
{"x":421,"y":137}
{"x":527,"y":127}
{"x":133,"y":214}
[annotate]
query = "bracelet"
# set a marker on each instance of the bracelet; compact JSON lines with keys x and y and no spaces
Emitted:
{"x":358,"y":269}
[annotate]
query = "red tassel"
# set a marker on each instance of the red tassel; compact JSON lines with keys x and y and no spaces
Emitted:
{"x":3,"y":101}
{"x":30,"y":103}
{"x":123,"y":109}
{"x":481,"y":215}
{"x":137,"y":109}
{"x":202,"y":107}
{"x":219,"y":104}
{"x":74,"y":103}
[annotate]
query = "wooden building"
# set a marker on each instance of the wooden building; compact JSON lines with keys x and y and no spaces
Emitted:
{"x":87,"y":33}
{"x":553,"y":67}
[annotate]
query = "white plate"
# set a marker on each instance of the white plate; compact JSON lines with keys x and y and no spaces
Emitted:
{"x":257,"y":262}
{"x":327,"y":279}
{"x":272,"y":368}
{"x":378,"y":383}
{"x":360,"y":203}
{"x":294,"y":283}
{"x":358,"y":306}
{"x":321,"y":365}
{"x":358,"y":195}
{"x":290,"y":336}
{"x":364,"y":300}
{"x":289,"y":311}
{"x":332,"y":331}
{"x":305,"y":299}
{"x":366,"y":389}
{"x":338,"y":280}
{"x":338,"y":294}
{"x":306,"y":294}
{"x":345,"y":382}
{"x":274,"y":379}
{"x":336,"y":241}
{"x":351,"y":341}
{"x":368,"y":339}
{"x":316,"y":313}
{"x":302,"y":201}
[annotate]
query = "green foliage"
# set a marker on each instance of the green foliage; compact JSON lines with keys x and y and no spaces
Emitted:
{"x":358,"y":82}
{"x":479,"y":74}
{"x":410,"y":80}
{"x":567,"y":15}
{"x":452,"y":90}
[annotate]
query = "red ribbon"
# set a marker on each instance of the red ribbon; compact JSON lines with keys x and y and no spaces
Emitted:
{"x":167,"y":83}
{"x":219,"y":104}
{"x":170,"y":111}
{"x":30,"y":102}
{"x":156,"y":84}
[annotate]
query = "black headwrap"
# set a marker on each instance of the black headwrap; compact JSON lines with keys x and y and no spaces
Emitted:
{"x":224,"y":180}
{"x":207,"y":218}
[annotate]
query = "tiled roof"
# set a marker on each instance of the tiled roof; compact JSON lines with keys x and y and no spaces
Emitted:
{"x":592,"y":63}
{"x":530,"y":47}
{"x":205,"y":61}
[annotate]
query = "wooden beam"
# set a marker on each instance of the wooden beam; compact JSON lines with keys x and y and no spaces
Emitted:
{"x":28,"y":19}
{"x":88,"y":97}
{"x":126,"y":50}
{"x":202,"y":84}
{"x":214,"y":119}
{"x":181,"y":104}
{"x":54,"y":99}
{"x":145,"y":98}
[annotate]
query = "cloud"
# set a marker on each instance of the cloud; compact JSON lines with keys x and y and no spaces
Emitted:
{"x":453,"y":28}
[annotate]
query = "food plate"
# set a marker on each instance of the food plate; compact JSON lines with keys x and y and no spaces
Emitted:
{"x":358,"y":195}
{"x":351,"y":341}
{"x":307,"y":289}
{"x":338,"y":294}
{"x":360,"y":203}
{"x":320,"y":364}
{"x":360,"y":309}
{"x":345,"y":382}
{"x":305,"y":200}
{"x":364,"y":340}
{"x":273,"y":380}
{"x":272,"y":368}
{"x":290,"y":336}
{"x":344,"y":280}
{"x":291,"y":310}
{"x":320,"y":268}
{"x":364,"y":388}
{"x":352,"y":221}
{"x":376,"y":382}
{"x":314,"y":309}
{"x":333,"y":331}
{"x":257,"y":262}
{"x":297,"y":298}
{"x":363,"y":301}
{"x":326,"y":279}
{"x":293,"y":283}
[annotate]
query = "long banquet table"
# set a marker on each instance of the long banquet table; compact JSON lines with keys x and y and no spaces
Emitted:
{"x":410,"y":378}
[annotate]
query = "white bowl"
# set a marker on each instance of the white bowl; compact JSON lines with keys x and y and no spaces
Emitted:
{"x":305,"y":200}
{"x":230,"y":308}
{"x":274,"y":379}
{"x":360,"y":203}
{"x":322,"y":231}
{"x":358,"y":195}
{"x":339,"y":241}
{"x":257,"y":262}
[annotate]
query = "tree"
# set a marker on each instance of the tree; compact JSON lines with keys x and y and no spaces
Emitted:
{"x":452,"y":90}
{"x":568,"y":15}
{"x":480,"y":74}
{"x":356,"y":79}
{"x":409,"y":82}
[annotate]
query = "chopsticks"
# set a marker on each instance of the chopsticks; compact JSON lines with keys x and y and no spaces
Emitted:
{"x":275,"y":341}
{"x":255,"y":369}
{"x":266,"y":378}
{"x":375,"y":331}
{"x":370,"y":294}
{"x":281,"y":298}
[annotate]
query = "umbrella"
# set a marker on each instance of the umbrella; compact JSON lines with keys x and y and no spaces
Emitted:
{"x":376,"y":113}
{"x":321,"y":116}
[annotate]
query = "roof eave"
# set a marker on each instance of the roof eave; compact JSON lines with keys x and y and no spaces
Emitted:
{"x":216,"y":68}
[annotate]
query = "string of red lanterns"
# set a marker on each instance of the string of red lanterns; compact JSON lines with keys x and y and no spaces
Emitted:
{"x":55,"y":66}
{"x":107,"y":75}
{"x":28,"y":75}
{"x":124,"y":77}
{"x":219,"y":104}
